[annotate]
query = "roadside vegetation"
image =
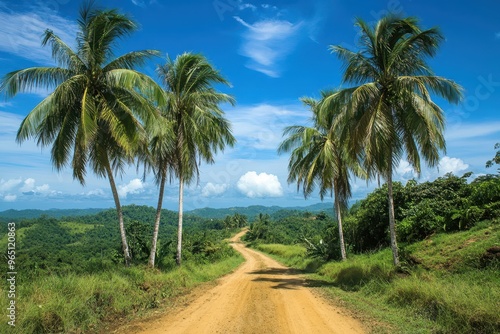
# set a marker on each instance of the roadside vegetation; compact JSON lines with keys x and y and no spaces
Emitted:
{"x":71,"y":276}
{"x":448,"y":278}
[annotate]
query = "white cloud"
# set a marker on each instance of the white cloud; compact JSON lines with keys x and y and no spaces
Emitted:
{"x":451,"y":165}
{"x":211,"y":189}
{"x":95,"y":192}
{"x":472,"y":130}
{"x":9,"y":184}
{"x":135,"y":186}
{"x":21,"y":33}
{"x":244,"y":6}
{"x":29,"y":185}
{"x":9,"y":198}
{"x":261,"y":126}
{"x":267,"y":41}
{"x":405,"y":170}
{"x":43,"y":189}
{"x":254,"y":185}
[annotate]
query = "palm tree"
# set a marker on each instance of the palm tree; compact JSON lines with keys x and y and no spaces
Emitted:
{"x":197,"y":121}
{"x":318,"y":158}
{"x":390,"y":113}
{"x":161,"y":160}
{"x":99,"y":106}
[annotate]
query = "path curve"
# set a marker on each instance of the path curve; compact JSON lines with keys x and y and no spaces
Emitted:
{"x":260,"y":297}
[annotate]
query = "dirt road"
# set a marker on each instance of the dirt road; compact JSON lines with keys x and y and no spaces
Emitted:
{"x":260,"y":297}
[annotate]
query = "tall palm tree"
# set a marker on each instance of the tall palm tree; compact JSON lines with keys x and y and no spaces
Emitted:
{"x":162,"y":161}
{"x":99,"y":106}
{"x":197,"y":121}
{"x":318,"y":158}
{"x":390,"y":112}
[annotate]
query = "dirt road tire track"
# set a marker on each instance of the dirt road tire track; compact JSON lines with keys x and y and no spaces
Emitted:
{"x":260,"y":297}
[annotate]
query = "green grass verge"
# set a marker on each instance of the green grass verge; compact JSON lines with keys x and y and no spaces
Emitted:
{"x":444,"y":285}
{"x":84,"y":303}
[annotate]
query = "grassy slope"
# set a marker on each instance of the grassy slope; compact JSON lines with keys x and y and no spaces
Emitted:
{"x":443,"y":287}
{"x":86,"y":303}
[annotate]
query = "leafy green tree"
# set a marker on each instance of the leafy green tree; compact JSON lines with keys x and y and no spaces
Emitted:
{"x":389,"y":112}
{"x":198,"y":123}
{"x":259,"y":228}
{"x":496,"y":158}
{"x":100,"y":104}
{"x":235,"y":221}
{"x":317,"y":157}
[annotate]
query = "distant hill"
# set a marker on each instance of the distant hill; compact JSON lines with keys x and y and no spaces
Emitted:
{"x":249,"y":211}
{"x":254,"y":210}
{"x":56,"y":213}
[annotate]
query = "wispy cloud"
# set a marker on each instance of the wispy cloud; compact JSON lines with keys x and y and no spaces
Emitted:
{"x":261,"y":126}
{"x":497,"y":35}
{"x":266,"y":42}
{"x":21,"y":33}
{"x":472,"y":130}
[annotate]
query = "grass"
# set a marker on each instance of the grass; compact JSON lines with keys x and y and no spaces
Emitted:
{"x":290,"y":255}
{"x":443,"y":285}
{"x":86,"y":303}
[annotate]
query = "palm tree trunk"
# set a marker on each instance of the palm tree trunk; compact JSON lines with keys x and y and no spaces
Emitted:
{"x":392,"y":218}
{"x":126,"y":252}
{"x":152,"y":255}
{"x":179,"y":227}
{"x":341,"y":231}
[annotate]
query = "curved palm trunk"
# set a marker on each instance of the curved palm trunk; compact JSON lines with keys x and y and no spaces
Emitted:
{"x":126,"y":252}
{"x":178,"y":258}
{"x":392,"y":218}
{"x":341,"y":231}
{"x":152,"y":255}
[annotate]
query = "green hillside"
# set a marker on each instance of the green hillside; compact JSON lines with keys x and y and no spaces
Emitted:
{"x":254,"y":210}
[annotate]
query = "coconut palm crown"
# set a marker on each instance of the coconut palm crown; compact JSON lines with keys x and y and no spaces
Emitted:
{"x":318,"y":159}
{"x":198,"y":123}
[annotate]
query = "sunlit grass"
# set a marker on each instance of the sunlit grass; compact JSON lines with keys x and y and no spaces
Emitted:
{"x":76,"y":303}
{"x":441,"y":287}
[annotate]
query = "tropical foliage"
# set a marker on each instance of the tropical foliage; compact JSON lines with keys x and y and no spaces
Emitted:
{"x":317,"y":157}
{"x":198,"y":124}
{"x":100,"y":104}
{"x":389,"y":113}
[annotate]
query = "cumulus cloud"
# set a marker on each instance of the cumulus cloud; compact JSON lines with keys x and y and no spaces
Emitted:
{"x":211,"y":189}
{"x":9,"y":184}
{"x":29,"y":185}
{"x":9,"y":198}
{"x":45,"y":188}
{"x":254,"y":185}
{"x":404,"y":169}
{"x":135,"y":186}
{"x":267,"y":41}
{"x":95,"y":192}
{"x":451,"y":165}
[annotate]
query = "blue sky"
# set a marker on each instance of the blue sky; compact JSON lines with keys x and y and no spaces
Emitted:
{"x":273,"y":53}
